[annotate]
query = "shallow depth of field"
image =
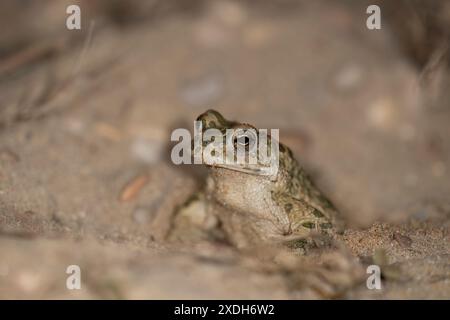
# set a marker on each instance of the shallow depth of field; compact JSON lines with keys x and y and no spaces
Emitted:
{"x":86,"y":115}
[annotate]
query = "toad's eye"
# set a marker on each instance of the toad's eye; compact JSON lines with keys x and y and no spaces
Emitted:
{"x":242,"y":140}
{"x":245,"y":138}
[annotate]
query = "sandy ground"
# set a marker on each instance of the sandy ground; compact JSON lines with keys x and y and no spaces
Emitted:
{"x":85,"y":173}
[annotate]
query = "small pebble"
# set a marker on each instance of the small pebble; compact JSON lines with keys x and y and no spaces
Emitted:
{"x":29,"y":282}
{"x":230,"y":13}
{"x":349,"y":77}
{"x":382,"y":113}
{"x":258,"y":35}
{"x":141,"y":215}
{"x":75,"y":126}
{"x":402,"y":240}
{"x":145,"y":150}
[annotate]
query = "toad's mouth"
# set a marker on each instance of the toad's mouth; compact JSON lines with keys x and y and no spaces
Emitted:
{"x":249,"y":169}
{"x":252,"y":169}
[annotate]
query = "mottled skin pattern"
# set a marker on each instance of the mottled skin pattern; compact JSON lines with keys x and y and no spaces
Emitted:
{"x":253,"y":208}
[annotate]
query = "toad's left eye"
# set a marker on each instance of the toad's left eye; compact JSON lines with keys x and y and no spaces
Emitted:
{"x":242,"y":140}
{"x":246,"y":138}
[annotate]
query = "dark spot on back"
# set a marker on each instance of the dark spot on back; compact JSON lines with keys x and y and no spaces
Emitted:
{"x":317,"y":213}
{"x":297,"y":243}
{"x":288,"y":207}
{"x":309,"y":225}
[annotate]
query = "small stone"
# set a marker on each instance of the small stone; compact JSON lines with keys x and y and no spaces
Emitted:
{"x":195,"y":211}
{"x":75,"y":126}
{"x":402,"y":240}
{"x":230,"y":13}
{"x":145,"y":150}
{"x":257,"y":35}
{"x":382,"y":114}
{"x":141,"y":215}
{"x":349,"y":77}
{"x":29,"y":282}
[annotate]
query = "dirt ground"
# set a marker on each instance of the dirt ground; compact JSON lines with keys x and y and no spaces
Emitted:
{"x":86,"y":116}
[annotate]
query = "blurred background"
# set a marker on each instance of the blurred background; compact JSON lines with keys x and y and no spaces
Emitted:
{"x":86,"y":117}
